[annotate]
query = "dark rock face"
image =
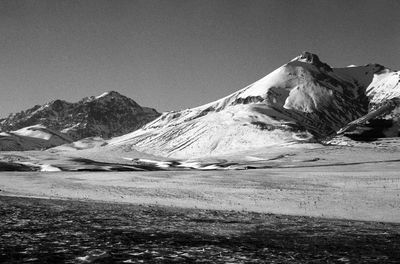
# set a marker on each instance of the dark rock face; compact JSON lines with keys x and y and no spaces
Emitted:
{"x":372,"y":130}
{"x":381,"y":121}
{"x":314,"y":59}
{"x":108,"y":115}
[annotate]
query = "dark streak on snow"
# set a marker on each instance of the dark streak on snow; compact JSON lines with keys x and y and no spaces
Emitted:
{"x":83,"y":164}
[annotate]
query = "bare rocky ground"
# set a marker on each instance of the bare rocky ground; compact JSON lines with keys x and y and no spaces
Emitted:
{"x":64,"y":231}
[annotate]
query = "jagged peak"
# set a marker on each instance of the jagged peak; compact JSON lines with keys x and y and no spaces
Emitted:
{"x":313,"y":59}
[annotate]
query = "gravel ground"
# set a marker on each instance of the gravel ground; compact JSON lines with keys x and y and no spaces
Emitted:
{"x":60,"y":231}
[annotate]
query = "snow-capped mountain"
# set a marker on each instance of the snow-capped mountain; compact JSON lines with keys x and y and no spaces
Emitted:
{"x":108,"y":115}
{"x":303,"y":100}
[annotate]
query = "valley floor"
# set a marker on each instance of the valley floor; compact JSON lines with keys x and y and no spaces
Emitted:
{"x":367,"y":191}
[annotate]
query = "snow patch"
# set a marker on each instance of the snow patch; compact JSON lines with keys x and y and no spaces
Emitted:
{"x":102,"y":95}
{"x":48,"y":168}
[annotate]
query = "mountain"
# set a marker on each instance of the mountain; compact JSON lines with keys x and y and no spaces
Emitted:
{"x":305,"y":100}
{"x":108,"y":115}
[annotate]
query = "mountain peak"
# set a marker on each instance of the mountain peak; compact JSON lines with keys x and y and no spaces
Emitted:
{"x":313,"y":59}
{"x":106,"y":96}
{"x":109,"y":94}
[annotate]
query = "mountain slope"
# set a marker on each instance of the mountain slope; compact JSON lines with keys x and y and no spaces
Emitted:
{"x":108,"y":115}
{"x":303,"y":100}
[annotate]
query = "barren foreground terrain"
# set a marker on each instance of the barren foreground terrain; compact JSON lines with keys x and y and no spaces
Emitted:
{"x":58,"y":231}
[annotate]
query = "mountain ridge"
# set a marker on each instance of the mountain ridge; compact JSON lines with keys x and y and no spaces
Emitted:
{"x":302,"y":101}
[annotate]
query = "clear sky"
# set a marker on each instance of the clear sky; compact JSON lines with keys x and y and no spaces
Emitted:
{"x":175,"y":54}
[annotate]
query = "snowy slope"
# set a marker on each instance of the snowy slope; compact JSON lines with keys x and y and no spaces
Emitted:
{"x":35,"y":137}
{"x":304,"y":100}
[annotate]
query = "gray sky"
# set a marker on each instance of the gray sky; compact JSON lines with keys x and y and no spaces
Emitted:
{"x":175,"y":54}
